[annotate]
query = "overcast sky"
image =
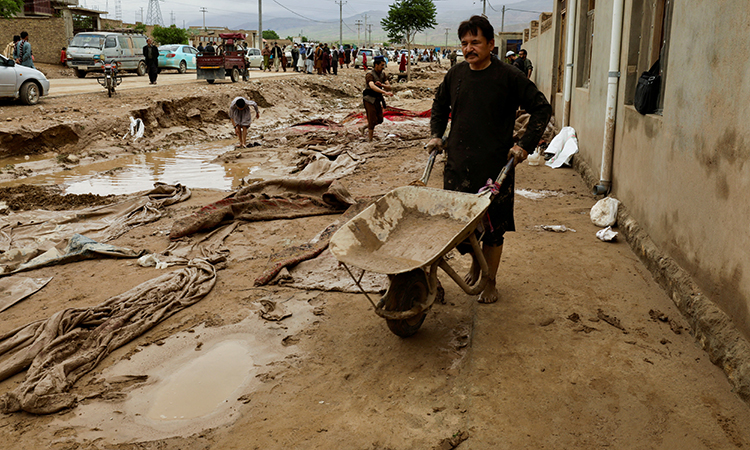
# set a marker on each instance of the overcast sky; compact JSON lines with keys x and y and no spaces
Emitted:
{"x":230,"y":12}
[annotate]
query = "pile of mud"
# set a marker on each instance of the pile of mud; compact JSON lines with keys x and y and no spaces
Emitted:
{"x":27,"y":197}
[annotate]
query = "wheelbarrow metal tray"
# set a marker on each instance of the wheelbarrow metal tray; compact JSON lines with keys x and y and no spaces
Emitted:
{"x":408,"y":228}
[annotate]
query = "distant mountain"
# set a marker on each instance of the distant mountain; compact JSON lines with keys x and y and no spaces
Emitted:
{"x":329,"y":31}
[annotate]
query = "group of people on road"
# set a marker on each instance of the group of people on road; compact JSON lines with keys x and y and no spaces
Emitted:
{"x":19,"y":50}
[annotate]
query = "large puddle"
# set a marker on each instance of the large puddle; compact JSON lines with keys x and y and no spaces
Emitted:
{"x":196,"y":379}
{"x":192,"y":166}
{"x":202,"y":385}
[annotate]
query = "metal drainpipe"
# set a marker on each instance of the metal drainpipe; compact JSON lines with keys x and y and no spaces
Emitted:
{"x":605,"y":176}
{"x":571,"y":24}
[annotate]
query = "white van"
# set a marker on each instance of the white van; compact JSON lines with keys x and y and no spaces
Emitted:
{"x":86,"y":50}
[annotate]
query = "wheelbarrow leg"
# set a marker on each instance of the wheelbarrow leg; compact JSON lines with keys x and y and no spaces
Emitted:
{"x":483,"y":280}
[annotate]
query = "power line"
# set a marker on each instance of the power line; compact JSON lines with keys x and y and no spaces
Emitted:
{"x":297,"y":14}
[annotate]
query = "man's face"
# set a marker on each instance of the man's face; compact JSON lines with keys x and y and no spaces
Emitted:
{"x":149,"y":42}
{"x":522,"y":54}
{"x":379,"y":66}
{"x":476,"y":48}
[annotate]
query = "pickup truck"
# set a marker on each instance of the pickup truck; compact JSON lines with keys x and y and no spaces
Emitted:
{"x":227,"y":62}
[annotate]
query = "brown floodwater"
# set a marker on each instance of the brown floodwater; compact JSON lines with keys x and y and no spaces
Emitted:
{"x":194,"y":166}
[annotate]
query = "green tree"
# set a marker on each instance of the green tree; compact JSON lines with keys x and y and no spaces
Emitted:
{"x":171,"y":35}
{"x":405,"y":19}
{"x":140,"y":27}
{"x":9,"y":8}
{"x":270,"y":34}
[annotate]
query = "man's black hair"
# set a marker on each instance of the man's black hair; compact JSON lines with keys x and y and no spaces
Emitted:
{"x":24,"y":35}
{"x":16,"y":38}
{"x":476,"y":23}
{"x":240,"y":103}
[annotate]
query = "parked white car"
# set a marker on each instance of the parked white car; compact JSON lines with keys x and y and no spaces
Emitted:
{"x":254,"y":58}
{"x":371,"y":54}
{"x":17,"y":81}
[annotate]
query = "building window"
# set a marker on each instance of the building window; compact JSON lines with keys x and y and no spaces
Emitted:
{"x":585,"y":43}
{"x":649,"y":43}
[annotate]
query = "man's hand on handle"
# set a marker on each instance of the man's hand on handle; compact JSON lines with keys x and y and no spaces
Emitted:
{"x":519,"y":153}
{"x":434,"y":144}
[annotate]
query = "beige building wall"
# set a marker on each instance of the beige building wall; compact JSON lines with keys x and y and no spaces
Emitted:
{"x":540,"y":50}
{"x":684,"y":174}
{"x":47,"y":36}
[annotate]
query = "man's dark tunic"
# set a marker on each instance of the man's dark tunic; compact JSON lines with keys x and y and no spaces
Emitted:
{"x":482,"y":106}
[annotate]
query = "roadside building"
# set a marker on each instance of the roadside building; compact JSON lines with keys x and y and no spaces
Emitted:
{"x":681,"y":171}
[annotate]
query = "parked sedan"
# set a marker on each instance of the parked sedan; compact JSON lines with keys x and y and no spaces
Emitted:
{"x":253,"y":58}
{"x":180,"y":57}
{"x":17,"y":81}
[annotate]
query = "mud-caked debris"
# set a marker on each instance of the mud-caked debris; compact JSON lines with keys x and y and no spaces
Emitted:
{"x":453,"y":441}
{"x":658,"y":316}
{"x":612,"y":320}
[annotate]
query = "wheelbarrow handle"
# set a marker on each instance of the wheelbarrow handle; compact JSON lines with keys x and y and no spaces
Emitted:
{"x":506,"y":169}
{"x":428,"y":169}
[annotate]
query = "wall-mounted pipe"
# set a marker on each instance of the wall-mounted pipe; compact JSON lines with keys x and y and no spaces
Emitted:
{"x":613,"y":79}
{"x":570,"y":20}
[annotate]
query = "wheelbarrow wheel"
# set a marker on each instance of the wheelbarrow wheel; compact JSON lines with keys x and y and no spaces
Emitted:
{"x":406,"y":290}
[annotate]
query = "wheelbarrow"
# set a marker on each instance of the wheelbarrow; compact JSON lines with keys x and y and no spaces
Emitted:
{"x":406,"y":235}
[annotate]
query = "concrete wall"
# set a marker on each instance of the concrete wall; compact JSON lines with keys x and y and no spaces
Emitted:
{"x":685,"y":174}
{"x":541,"y":49}
{"x":47,"y":36}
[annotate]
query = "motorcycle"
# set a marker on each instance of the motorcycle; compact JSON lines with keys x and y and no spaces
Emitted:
{"x":110,"y":80}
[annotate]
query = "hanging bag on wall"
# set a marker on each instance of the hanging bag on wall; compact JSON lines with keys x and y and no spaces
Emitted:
{"x":647,"y":91}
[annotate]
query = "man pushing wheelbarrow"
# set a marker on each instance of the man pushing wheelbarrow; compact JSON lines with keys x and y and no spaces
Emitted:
{"x":407,"y":233}
{"x":482,"y":96}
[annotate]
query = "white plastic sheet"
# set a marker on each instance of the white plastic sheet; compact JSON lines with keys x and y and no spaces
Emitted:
{"x":563,"y":147}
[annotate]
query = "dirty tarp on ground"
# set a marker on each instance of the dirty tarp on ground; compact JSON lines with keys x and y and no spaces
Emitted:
{"x":13,"y":290}
{"x":78,"y":248}
{"x":26,"y":235}
{"x":60,"y":350}
{"x":269,"y":200}
{"x":293,"y":255}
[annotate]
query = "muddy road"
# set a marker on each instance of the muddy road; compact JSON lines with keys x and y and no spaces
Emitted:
{"x":582,"y":351}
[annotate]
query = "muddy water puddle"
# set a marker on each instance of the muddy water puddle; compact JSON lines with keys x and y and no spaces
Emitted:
{"x":193,"y":166}
{"x":196,"y":379}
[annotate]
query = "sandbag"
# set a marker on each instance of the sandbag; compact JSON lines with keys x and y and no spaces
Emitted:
{"x":604,"y":212}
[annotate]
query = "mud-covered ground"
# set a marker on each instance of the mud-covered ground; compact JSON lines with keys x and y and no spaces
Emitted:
{"x":582,"y":351}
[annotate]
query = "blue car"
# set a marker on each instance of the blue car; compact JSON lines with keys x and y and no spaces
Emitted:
{"x":180,"y":57}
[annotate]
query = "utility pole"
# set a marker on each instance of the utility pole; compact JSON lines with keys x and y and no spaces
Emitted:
{"x":203,"y":10}
{"x":369,"y":41}
{"x":171,"y":18}
{"x":446,"y":37}
{"x":484,"y":8}
{"x":366,"y":30}
{"x":502,"y":23}
{"x":141,"y":14}
{"x":260,"y":25}
{"x":341,"y":21}
{"x":359,"y":24}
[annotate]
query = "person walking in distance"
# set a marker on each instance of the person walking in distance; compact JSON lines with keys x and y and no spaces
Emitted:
{"x":242,"y":117}
{"x":376,"y":86}
{"x":481,"y":98}
{"x":24,"y":55}
{"x":523,"y":63}
{"x":151,"y":54}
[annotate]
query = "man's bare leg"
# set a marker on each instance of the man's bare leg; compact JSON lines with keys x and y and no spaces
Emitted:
{"x":238,"y":132}
{"x":492,"y":255}
{"x":243,"y":137}
{"x":370,"y":131}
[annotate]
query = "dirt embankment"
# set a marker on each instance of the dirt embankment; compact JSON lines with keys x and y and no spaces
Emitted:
{"x":93,"y":126}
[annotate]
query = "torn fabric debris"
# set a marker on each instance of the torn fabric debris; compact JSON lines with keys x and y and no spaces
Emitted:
{"x":60,"y":350}
{"x":268,"y":200}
